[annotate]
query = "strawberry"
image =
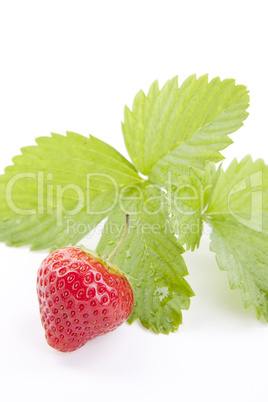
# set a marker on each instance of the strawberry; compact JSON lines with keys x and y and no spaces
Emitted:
{"x":81,"y":297}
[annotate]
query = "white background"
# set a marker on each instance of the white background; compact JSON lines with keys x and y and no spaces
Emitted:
{"x":73,"y":65}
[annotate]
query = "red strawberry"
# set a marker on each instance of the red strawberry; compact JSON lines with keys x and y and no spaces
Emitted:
{"x":81,"y":297}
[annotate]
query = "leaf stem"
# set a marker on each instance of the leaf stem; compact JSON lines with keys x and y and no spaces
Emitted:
{"x":119,"y":245}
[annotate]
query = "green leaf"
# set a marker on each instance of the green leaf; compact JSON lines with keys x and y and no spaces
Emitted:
{"x":238,"y":214}
{"x":57,"y":228}
{"x":56,"y":192}
{"x":242,"y":193}
{"x":243,"y":253}
{"x":187,"y":201}
{"x":151,"y":257}
{"x":174,"y":128}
